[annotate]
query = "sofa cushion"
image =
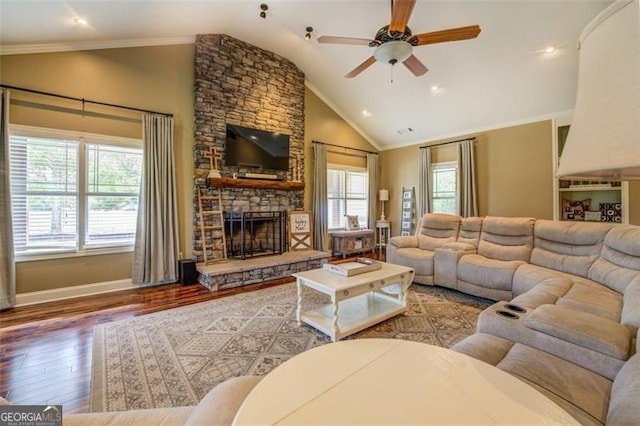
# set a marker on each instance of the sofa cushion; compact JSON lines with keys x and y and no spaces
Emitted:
{"x":619,"y":261}
{"x":594,"y":298}
{"x":485,"y":272}
{"x":152,"y":416}
{"x":583,"y":329}
{"x":506,"y":238}
{"x":624,"y":408}
{"x":585,"y":389}
{"x":420,"y":260}
{"x":220,"y":405}
{"x":470,"y":228}
{"x":529,"y":277}
{"x":438,"y":229}
{"x":568,"y":246}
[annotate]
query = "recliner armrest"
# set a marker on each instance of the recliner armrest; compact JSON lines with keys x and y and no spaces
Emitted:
{"x":583,"y":329}
{"x":405,"y":241}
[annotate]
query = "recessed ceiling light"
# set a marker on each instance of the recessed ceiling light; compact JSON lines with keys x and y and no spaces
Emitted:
{"x":366,"y":113}
{"x":405,"y":131}
{"x":435,"y":88}
{"x":81,"y":21}
{"x":549,"y":50}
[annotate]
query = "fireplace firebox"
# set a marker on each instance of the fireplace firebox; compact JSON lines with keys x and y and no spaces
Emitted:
{"x":252,"y":234}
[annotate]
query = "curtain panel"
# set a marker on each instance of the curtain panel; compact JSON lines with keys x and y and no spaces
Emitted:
{"x":320,"y":205}
{"x":7,"y":262}
{"x":467,"y":193}
{"x":424,"y":182}
{"x":156,"y":248}
{"x":372,"y":171}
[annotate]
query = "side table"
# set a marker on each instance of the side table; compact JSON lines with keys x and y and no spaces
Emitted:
{"x":384,"y":232}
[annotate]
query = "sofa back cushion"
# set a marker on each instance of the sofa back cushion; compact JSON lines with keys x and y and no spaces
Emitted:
{"x":570,"y":247}
{"x":506,"y":238}
{"x":437,"y":229}
{"x":619,"y":261}
{"x":470,"y":228}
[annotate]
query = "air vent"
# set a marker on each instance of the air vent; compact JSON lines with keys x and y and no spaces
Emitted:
{"x":405,"y":131}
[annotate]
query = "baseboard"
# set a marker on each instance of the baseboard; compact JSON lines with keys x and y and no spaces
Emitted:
{"x":34,"y":297}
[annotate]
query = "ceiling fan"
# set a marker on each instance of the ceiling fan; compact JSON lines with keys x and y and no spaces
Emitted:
{"x":394,"y":43}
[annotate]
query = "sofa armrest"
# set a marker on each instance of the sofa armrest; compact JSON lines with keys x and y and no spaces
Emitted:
{"x":583,"y":329}
{"x":405,"y":241}
{"x":445,"y":263}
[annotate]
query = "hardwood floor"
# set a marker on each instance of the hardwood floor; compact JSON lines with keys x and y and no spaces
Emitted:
{"x":45,"y":349}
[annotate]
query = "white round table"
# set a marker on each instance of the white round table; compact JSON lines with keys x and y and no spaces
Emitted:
{"x":376,"y":381}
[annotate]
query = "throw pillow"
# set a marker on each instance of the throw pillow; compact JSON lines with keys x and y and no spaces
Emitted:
{"x":574,"y":210}
{"x":611,"y":212}
{"x":352,"y":222}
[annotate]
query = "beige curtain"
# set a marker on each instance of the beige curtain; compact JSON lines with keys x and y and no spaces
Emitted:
{"x":156,"y":247}
{"x":467,"y":197}
{"x":320,"y":208}
{"x":424,"y":182}
{"x":372,"y":171}
{"x":7,"y":264}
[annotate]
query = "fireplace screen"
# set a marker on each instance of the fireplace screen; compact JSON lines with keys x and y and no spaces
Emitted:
{"x":251,"y":234}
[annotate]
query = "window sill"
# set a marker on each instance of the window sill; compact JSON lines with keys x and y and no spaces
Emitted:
{"x":35,"y":257}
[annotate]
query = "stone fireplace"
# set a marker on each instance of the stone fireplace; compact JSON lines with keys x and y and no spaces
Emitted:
{"x":241,"y":84}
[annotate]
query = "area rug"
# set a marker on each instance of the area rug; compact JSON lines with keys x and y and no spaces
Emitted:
{"x":173,"y":358}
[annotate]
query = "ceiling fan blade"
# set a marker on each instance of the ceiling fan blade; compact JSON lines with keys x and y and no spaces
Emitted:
{"x":415,"y":66}
{"x":344,"y":40}
{"x":363,"y":66}
{"x":452,"y":34}
{"x":400,"y":14}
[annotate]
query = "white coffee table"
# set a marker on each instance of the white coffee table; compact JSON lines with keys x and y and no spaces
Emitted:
{"x":357,"y":302}
{"x":387,"y":381}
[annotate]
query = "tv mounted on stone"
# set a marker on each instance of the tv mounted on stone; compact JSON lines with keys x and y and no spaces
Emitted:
{"x":256,"y":149}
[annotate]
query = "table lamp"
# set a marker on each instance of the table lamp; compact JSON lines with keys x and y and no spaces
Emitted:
{"x":383,"y":195}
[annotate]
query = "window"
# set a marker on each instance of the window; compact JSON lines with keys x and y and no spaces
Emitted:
{"x":445,"y":187}
{"x":72,"y":192}
{"x":347,"y":191}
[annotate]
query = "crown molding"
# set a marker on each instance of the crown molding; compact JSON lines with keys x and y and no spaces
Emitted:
{"x":25,"y":49}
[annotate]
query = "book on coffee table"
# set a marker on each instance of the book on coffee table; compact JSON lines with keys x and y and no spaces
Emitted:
{"x":349,"y":269}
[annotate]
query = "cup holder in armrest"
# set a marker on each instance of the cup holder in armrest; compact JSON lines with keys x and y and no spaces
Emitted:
{"x":507,"y":314}
{"x":515,"y":308}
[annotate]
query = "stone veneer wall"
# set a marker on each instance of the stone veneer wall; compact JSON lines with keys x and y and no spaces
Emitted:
{"x":242,"y":84}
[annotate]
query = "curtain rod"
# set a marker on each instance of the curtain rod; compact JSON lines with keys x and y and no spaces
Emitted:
{"x":345,"y":147}
{"x":447,"y":143}
{"x":83,"y":100}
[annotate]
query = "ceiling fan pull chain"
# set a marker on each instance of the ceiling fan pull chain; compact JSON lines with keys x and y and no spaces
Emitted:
{"x":392,"y":67}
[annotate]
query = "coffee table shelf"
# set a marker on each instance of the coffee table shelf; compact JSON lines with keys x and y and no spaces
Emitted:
{"x":354,"y":314}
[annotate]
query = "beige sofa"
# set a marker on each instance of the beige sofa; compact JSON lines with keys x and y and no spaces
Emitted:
{"x":567,"y":291}
{"x":218,"y":407}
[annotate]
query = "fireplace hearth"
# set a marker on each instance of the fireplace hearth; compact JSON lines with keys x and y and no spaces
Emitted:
{"x":252,"y":234}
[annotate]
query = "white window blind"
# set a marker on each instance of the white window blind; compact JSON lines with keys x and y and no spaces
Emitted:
{"x":347,"y":192}
{"x":70,"y":194}
{"x":445,"y":187}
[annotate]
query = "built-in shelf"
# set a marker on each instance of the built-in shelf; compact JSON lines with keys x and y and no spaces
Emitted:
{"x":255,"y":183}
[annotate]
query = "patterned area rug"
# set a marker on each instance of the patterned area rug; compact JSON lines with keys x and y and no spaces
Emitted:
{"x":173,"y":358}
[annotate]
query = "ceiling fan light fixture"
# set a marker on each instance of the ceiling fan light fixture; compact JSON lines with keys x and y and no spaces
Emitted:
{"x":392,"y":52}
{"x":307,"y":36}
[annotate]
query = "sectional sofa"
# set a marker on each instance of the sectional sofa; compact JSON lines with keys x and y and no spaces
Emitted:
{"x":568,"y":293}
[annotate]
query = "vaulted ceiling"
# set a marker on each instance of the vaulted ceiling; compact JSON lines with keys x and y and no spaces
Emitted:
{"x":502,"y":77}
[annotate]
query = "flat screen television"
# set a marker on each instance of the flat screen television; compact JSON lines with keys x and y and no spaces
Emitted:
{"x":256,"y":149}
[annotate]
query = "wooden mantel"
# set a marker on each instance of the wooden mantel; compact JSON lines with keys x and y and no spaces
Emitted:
{"x":255,"y":183}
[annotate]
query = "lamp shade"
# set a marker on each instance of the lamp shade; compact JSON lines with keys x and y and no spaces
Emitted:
{"x":383,"y":195}
{"x":604,"y":137}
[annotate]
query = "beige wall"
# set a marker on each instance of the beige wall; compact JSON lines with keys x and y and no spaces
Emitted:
{"x":634,"y":202}
{"x":322,"y":124}
{"x":513,"y":165}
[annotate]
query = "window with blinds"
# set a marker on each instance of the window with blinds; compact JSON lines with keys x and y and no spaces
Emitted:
{"x":445,"y":187}
{"x":347,"y":192}
{"x":72,"y":193}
